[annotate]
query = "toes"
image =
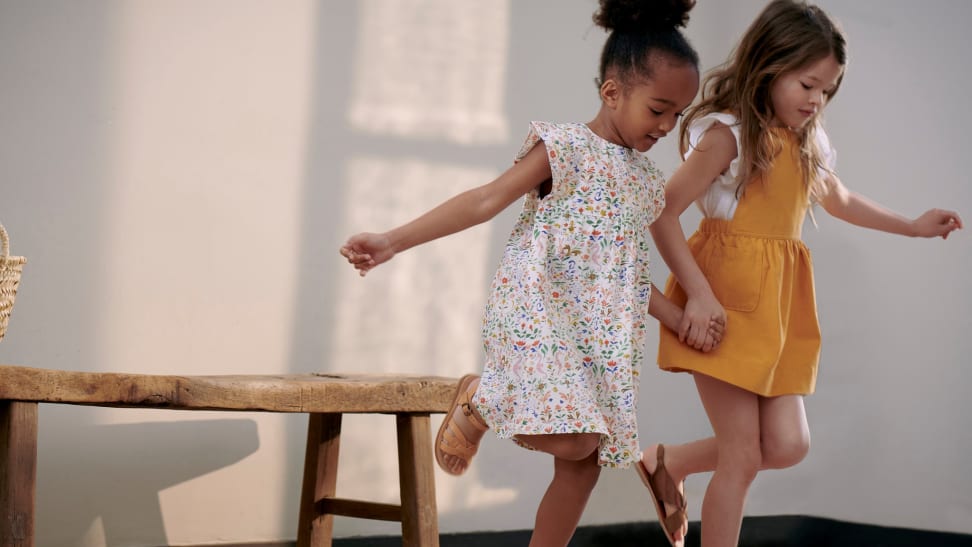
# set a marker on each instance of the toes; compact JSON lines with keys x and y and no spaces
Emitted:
{"x":455,"y":464}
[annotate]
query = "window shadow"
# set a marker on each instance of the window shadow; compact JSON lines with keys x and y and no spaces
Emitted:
{"x":124,"y":492}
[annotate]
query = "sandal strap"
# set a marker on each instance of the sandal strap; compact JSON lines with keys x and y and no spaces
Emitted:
{"x":452,"y":440}
{"x":469,"y":411}
{"x":665,"y":487}
{"x":675,"y":520}
{"x":455,"y":443}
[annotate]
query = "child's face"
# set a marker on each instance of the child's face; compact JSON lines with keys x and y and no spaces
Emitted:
{"x":647,"y":111}
{"x":798,"y":96}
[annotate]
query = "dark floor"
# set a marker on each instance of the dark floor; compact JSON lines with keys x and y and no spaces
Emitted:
{"x":778,"y":531}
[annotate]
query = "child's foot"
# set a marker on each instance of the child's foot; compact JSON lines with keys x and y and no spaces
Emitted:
{"x":666,"y":493}
{"x":461,"y":430}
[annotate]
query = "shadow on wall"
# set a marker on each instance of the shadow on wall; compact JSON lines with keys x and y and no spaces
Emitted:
{"x":51,"y":205}
{"x":123,"y":493}
{"x":54,"y":165}
{"x":409,"y":108}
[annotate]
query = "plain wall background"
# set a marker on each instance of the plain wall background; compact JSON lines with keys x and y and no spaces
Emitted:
{"x":180,"y":175}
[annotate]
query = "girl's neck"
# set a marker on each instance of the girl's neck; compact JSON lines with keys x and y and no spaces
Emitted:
{"x":604,"y":129}
{"x":776,"y":124}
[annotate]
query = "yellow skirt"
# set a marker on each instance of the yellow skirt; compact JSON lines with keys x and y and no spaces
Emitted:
{"x":765,"y":283}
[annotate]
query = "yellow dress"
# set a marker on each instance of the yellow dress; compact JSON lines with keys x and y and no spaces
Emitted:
{"x":762,"y":274}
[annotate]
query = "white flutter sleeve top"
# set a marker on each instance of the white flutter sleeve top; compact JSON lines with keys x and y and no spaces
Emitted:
{"x":720,"y":200}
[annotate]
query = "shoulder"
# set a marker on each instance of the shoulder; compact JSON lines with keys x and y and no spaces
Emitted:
{"x":827,"y":152}
{"x":725,"y":123}
{"x":563,"y":131}
{"x":554,"y":136}
{"x":717,"y":144}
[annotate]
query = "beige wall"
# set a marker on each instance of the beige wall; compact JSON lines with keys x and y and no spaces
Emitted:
{"x":180,"y":174}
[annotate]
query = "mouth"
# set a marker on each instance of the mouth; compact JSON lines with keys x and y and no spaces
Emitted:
{"x":807,"y":112}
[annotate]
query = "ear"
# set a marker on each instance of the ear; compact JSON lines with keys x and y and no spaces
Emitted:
{"x":610,"y":93}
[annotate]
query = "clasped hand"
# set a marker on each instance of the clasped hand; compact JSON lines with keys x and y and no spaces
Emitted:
{"x":703,"y":323}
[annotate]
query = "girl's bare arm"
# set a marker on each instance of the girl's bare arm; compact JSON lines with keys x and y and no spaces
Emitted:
{"x":367,"y":250}
{"x":858,"y":210}
{"x":710,"y":158}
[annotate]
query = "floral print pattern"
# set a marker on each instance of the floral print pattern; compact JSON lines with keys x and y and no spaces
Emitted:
{"x":564,"y":325}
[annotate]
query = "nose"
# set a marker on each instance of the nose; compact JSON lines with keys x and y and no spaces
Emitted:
{"x":818,"y":98}
{"x":667,"y":124}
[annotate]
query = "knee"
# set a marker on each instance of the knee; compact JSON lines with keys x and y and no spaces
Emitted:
{"x":579,"y":447}
{"x":581,"y":475}
{"x":742,"y":461}
{"x":565,"y":446}
{"x":782,"y":451}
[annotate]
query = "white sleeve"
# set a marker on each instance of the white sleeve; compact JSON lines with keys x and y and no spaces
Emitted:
{"x":697,"y":131}
{"x":826,"y":149}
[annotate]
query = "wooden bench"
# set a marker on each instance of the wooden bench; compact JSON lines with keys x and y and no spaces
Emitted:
{"x":325,"y":397}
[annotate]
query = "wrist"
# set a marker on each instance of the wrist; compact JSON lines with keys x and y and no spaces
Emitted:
{"x":911,"y":228}
{"x":676,"y":320}
{"x":396,"y":240}
{"x":701,"y":291}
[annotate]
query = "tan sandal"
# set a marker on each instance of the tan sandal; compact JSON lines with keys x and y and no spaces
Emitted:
{"x":451,"y":440}
{"x":663,"y":490}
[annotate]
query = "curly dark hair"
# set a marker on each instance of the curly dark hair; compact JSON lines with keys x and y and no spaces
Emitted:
{"x":642,"y":30}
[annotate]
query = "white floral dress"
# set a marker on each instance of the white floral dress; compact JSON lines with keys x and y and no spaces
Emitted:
{"x":565,"y":323}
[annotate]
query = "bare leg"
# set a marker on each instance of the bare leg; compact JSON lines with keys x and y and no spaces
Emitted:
{"x":573,"y":481}
{"x":784,"y":441}
{"x":686,"y":459}
{"x":785,"y":435}
{"x":701,"y":454}
{"x":734,"y":415}
{"x":567,"y":446}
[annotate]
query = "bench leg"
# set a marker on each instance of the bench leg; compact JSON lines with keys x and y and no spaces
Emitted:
{"x":420,"y":525}
{"x":320,"y":479}
{"x":18,"y":472}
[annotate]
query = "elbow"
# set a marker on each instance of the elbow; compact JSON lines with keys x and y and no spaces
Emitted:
{"x":483,"y":206}
{"x":836,"y":206}
{"x":662,"y":222}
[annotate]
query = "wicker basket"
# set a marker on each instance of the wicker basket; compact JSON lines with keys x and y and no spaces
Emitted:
{"x":10,"y":268}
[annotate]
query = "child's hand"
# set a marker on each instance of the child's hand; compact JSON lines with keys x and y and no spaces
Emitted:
{"x":701,"y":316}
{"x":717,"y":327}
{"x":937,"y":222}
{"x":697,"y":321}
{"x":365,"y":251}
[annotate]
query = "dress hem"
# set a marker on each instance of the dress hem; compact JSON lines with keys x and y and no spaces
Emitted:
{"x":742,"y":385}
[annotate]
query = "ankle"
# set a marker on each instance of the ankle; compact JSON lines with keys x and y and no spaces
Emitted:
{"x":673,"y":463}
{"x":469,"y":409}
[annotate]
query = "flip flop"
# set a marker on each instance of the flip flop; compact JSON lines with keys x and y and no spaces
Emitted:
{"x":451,"y":440}
{"x":663,"y":489}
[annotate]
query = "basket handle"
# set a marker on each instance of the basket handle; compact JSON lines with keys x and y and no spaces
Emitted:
{"x":4,"y":243}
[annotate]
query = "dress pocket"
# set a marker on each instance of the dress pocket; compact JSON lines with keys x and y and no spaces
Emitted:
{"x":736,"y":272}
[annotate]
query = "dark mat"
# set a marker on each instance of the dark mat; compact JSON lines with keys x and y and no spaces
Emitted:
{"x":775,"y":531}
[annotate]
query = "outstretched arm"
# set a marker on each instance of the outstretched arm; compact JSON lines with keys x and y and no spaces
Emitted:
{"x":711,"y":157}
{"x":367,"y":250}
{"x":856,"y":209}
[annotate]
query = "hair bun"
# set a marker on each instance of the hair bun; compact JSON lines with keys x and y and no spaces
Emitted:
{"x":642,"y":15}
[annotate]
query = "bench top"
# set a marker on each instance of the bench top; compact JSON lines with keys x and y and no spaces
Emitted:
{"x":304,"y":393}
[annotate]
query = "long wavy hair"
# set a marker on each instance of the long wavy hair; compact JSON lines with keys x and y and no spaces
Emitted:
{"x":788,"y":35}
